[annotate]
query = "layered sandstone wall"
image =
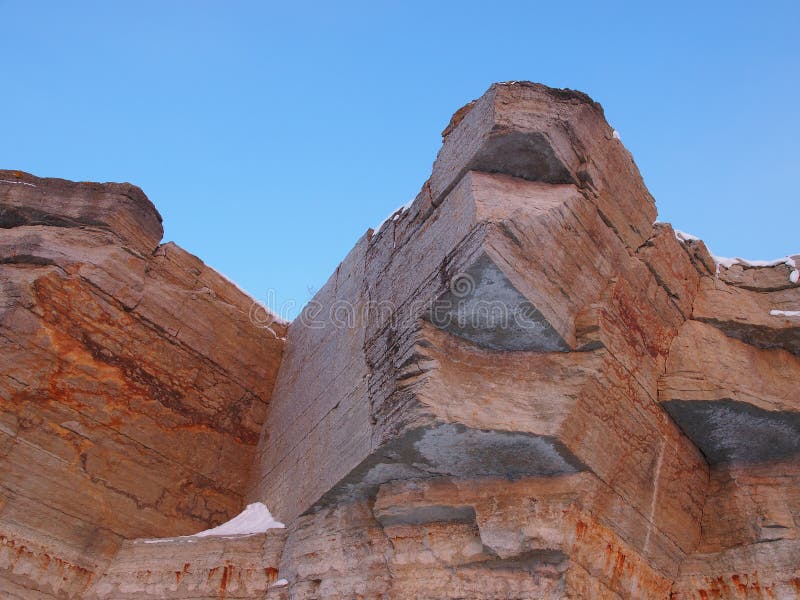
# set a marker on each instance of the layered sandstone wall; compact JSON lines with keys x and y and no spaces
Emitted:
{"x":412,"y":365}
{"x":519,"y":386}
{"x":133,"y":385}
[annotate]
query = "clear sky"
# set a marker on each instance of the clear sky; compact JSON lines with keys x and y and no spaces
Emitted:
{"x":272,"y":135}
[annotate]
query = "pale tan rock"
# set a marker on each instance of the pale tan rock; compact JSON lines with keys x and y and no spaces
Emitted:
{"x":738,"y":403}
{"x":745,"y":314}
{"x":760,"y":279}
{"x":525,"y":274}
{"x":209,"y":567}
{"x":31,"y":571}
{"x":752,"y":503}
{"x":554,"y":136}
{"x":706,"y":365}
{"x":480,"y":539}
{"x":564,"y":402}
{"x":673,"y":267}
{"x":768,"y":570}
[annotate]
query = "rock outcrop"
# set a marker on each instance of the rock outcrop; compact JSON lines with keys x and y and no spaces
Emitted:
{"x":519,"y":386}
{"x":133,"y":385}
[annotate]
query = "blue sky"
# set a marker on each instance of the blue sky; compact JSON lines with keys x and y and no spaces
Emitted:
{"x":272,"y":135}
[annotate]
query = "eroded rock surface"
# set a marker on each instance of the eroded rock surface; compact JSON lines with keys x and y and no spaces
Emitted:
{"x":133,"y":385}
{"x":519,"y":386}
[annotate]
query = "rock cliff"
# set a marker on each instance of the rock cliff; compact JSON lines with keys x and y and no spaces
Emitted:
{"x":133,"y":390}
{"x":518,"y":386}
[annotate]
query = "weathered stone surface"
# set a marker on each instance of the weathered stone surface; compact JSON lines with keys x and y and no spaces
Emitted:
{"x":673,"y":268}
{"x":744,"y":314}
{"x":133,"y":383}
{"x":707,"y":369}
{"x":737,"y":401}
{"x":752,"y":503}
{"x":520,"y":386}
{"x":481,"y":539}
{"x":512,"y":242}
{"x":751,"y":572}
{"x":210,"y":567}
{"x":120,"y":208}
{"x":537,"y":133}
{"x":30,"y":570}
{"x":758,"y":278}
{"x":567,"y":397}
{"x":511,"y":324}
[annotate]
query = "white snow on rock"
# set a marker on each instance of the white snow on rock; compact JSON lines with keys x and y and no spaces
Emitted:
{"x":724,"y":261}
{"x":396,"y":214}
{"x":686,"y":237}
{"x":17,"y":182}
{"x":729,"y":262}
{"x":785,"y":313}
{"x":256,"y":518}
{"x":280,"y":583}
{"x":616,"y":135}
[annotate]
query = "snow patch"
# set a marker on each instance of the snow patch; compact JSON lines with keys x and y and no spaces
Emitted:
{"x":17,"y":182}
{"x":724,"y":261}
{"x":728,"y":262}
{"x":280,"y":583}
{"x":686,"y":237}
{"x":616,"y":135}
{"x":256,"y":518}
{"x":785,"y":313}
{"x":396,"y":214}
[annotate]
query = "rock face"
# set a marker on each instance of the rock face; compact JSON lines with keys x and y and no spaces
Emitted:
{"x":133,"y":386}
{"x":517,"y":387}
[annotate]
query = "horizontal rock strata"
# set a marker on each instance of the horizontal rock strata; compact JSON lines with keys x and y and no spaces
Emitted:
{"x":133,"y":385}
{"x":518,"y":386}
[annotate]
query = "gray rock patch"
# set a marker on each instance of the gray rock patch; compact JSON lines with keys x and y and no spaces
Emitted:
{"x":729,"y":431}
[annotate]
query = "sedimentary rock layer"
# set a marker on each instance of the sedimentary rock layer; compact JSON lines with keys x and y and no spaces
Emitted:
{"x":519,"y":386}
{"x":133,"y":385}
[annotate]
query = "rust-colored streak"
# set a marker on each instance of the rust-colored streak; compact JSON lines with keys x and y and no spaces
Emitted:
{"x":179,"y":574}
{"x":80,"y":340}
{"x":619,"y":565}
{"x":43,"y":559}
{"x":580,"y":529}
{"x":631,"y":313}
{"x":211,"y":573}
{"x":227,"y":571}
{"x":740,"y":585}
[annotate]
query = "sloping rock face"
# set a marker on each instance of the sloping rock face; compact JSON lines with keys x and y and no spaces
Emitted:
{"x":133,"y":385}
{"x":520,"y":386}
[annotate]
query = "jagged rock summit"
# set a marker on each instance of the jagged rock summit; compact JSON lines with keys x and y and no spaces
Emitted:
{"x":518,"y":386}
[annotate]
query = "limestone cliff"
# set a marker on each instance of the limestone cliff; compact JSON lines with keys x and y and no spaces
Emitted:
{"x":520,"y":386}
